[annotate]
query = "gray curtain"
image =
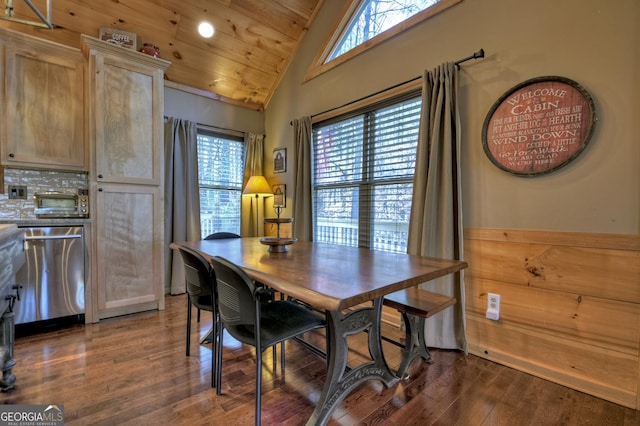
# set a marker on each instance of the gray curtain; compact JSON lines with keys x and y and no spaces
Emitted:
{"x":254,"y":155}
{"x":435,"y":227}
{"x":182,"y":198}
{"x":253,"y":160}
{"x":302,"y":208}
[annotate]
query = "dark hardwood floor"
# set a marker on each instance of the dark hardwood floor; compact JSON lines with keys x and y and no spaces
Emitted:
{"x":133,"y":370}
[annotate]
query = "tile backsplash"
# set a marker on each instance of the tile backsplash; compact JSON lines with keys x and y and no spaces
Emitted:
{"x":36,"y":181}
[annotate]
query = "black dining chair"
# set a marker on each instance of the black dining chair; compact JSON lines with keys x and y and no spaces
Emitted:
{"x":250,"y":315}
{"x":222,"y":235}
{"x":200,"y":285}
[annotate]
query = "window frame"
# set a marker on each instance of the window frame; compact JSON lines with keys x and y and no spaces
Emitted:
{"x":318,"y":66}
{"x":235,"y":136}
{"x":365,"y":220}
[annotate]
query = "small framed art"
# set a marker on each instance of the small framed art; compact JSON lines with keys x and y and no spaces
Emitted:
{"x":280,"y":160}
{"x":119,"y":38}
{"x":280,"y":195}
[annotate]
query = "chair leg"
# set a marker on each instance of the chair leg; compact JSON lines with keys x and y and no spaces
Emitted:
{"x":219,"y":355}
{"x":282,"y":348}
{"x":188,"y":326}
{"x":259,"y":385}
{"x":214,"y":352}
{"x":275,"y":357}
{"x":198,"y":317}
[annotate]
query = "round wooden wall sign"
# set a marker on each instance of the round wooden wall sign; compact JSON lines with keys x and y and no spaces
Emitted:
{"x":538,"y":126}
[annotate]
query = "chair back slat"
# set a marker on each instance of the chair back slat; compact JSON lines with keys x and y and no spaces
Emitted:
{"x":199,"y":275}
{"x":194,"y":281}
{"x":236,"y":293}
{"x":229,"y":301}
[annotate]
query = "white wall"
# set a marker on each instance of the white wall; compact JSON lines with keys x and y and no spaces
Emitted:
{"x":592,"y":42}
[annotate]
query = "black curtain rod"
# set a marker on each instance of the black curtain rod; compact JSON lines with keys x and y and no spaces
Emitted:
{"x":475,"y":55}
{"x":211,"y":126}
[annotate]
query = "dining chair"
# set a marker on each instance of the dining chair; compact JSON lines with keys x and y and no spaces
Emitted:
{"x":200,"y":285}
{"x":222,"y":235}
{"x":250,"y":315}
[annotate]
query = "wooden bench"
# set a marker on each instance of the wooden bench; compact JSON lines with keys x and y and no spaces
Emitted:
{"x":416,"y":305}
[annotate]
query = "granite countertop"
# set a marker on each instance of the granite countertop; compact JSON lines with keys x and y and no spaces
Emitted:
{"x":46,"y":222}
{"x":7,"y":230}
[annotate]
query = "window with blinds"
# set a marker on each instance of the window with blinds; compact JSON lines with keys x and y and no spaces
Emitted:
{"x":220,"y":177}
{"x":363,"y":175}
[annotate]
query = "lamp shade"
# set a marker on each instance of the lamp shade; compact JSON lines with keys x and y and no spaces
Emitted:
{"x":257,"y":185}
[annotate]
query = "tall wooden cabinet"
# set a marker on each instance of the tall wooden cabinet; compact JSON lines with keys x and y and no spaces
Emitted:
{"x":42,"y":98}
{"x":125,"y":111}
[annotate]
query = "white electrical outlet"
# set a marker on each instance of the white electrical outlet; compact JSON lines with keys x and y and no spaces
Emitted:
{"x":493,"y":306}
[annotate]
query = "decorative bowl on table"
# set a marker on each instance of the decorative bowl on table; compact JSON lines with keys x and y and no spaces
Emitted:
{"x":278,"y":245}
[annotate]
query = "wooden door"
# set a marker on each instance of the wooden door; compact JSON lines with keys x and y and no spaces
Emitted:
{"x":129,"y":255}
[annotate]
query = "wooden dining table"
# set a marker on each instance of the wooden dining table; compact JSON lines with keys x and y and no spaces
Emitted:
{"x":348,"y":283}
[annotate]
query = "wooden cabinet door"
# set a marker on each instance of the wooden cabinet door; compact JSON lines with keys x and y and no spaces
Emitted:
{"x":128,"y":106}
{"x":44,"y":108}
{"x":129,"y":249}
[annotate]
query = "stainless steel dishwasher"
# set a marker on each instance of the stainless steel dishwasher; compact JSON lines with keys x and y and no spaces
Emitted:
{"x":53,"y":277}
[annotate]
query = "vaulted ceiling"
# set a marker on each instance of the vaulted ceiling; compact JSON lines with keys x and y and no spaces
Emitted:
{"x":242,"y":63}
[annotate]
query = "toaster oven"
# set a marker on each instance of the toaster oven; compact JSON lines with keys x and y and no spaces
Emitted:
{"x":56,"y":204}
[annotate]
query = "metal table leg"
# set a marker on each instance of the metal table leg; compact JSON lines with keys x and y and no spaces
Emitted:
{"x":340,"y":382}
{"x":415,"y":343}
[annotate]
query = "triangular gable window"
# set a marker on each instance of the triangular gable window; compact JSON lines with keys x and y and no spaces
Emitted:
{"x":374,"y":17}
{"x":367,"y":23}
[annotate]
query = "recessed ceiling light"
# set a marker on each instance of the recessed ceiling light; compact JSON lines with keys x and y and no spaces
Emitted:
{"x":205,"y":29}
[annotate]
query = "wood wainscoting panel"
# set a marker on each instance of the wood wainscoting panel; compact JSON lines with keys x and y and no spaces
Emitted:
{"x":607,"y":374}
{"x":585,"y":319}
{"x":570,"y":307}
{"x":607,"y":272}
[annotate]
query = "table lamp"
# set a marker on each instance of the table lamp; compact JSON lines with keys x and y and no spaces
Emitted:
{"x":258,"y":186}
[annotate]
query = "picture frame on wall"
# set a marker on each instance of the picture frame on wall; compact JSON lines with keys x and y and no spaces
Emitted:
{"x":539,"y":126}
{"x":280,"y":160}
{"x":280,"y":195}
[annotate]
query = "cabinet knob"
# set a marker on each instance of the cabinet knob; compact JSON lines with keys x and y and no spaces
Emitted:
{"x":99,"y":176}
{"x":99,"y":189}
{"x":11,"y":155}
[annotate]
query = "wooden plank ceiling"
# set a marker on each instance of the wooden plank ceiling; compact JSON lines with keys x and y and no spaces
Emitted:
{"x":242,"y":63}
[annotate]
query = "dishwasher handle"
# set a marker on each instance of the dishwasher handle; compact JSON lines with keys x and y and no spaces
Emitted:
{"x":51,"y":237}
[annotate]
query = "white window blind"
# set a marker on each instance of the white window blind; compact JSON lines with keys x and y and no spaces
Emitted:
{"x":220,"y":177}
{"x":363,"y":176}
